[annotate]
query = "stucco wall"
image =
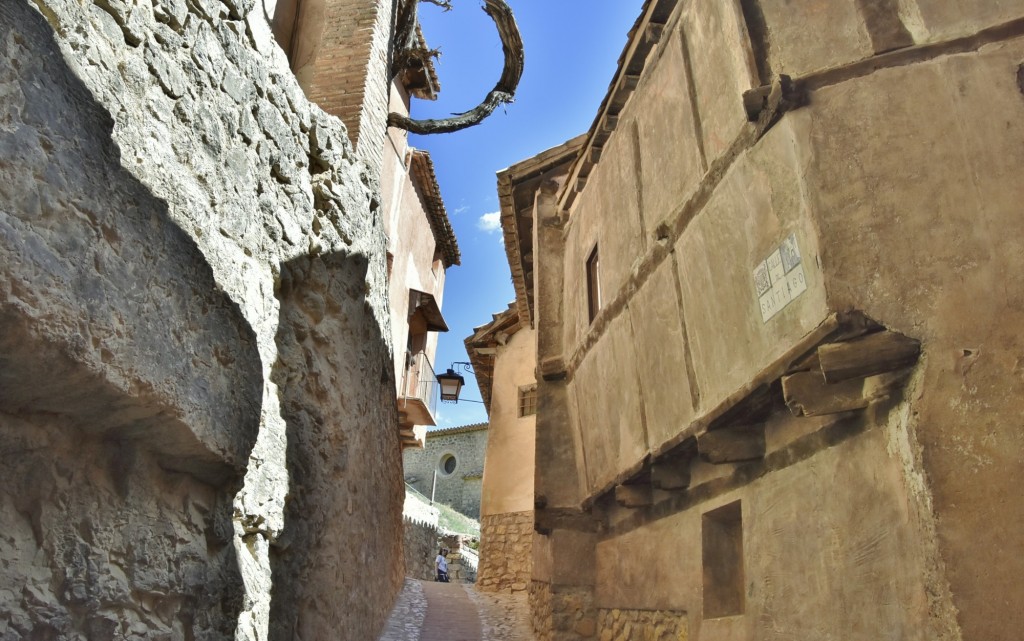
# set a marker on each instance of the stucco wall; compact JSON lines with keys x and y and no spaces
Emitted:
{"x":903,"y":210}
{"x":833,"y":547}
{"x":190,"y":289}
{"x":680,"y":330}
{"x":962,"y":296}
{"x":508,"y":473}
{"x":461,"y":488}
{"x":411,"y":241}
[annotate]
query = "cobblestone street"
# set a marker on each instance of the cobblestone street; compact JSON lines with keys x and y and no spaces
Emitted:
{"x":429,"y":611}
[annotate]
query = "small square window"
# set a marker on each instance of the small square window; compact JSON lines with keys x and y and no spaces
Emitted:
{"x":527,"y":400}
{"x":593,"y":285}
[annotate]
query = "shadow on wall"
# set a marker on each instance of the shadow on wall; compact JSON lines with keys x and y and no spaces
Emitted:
{"x":338,"y":565}
{"x":130,"y":385}
{"x":102,"y":287}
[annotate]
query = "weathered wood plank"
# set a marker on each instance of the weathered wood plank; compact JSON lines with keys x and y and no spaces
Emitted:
{"x":671,"y":475}
{"x":868,"y":355}
{"x":745,"y":443}
{"x":753,"y":409}
{"x":808,"y":394}
{"x":634,"y":495}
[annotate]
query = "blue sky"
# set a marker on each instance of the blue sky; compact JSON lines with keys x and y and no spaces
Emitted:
{"x":571,"y":51}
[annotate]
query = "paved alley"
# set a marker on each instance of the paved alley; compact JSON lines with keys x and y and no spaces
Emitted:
{"x":429,"y":611}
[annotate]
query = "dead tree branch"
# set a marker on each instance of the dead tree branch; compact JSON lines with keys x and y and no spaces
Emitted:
{"x":503,"y":92}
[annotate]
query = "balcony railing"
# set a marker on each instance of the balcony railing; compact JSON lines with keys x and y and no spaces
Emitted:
{"x":420,"y":390}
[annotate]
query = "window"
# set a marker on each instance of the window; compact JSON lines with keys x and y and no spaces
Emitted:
{"x":593,"y":285}
{"x":448,"y":464}
{"x":527,"y":400}
{"x":722,"y":555}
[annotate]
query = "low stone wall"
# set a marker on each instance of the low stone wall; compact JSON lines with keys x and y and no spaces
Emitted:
{"x":506,"y":542}
{"x":649,"y":625}
{"x":420,"y":549}
{"x":563,"y":613}
{"x":460,"y":570}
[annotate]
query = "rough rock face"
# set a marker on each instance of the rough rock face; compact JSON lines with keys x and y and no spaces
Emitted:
{"x":99,"y":542}
{"x":194,"y":362}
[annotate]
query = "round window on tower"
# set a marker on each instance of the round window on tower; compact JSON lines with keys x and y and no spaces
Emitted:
{"x":448,"y":463}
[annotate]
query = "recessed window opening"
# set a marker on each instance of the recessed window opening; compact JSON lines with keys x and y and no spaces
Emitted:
{"x":448,"y":464}
{"x":593,"y":285}
{"x":722,"y":555}
{"x":527,"y":400}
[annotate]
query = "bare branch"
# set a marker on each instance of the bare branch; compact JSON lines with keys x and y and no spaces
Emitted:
{"x":444,"y":4}
{"x":503,"y":92}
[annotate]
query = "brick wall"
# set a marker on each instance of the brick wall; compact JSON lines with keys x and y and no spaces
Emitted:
{"x":340,"y":56}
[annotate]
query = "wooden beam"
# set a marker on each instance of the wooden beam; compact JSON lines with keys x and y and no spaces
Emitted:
{"x":808,"y":394}
{"x":854,"y":324}
{"x":671,"y":475}
{"x":753,"y":409}
{"x":634,"y":495}
{"x":868,"y":355}
{"x":654,"y":32}
{"x":732,"y":445}
{"x":630,"y":82}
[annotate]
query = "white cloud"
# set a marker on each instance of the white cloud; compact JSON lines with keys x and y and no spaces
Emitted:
{"x":490,"y":222}
{"x":461,"y":210}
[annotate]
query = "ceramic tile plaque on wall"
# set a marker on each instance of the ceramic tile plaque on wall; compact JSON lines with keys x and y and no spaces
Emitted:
{"x":779,"y":279}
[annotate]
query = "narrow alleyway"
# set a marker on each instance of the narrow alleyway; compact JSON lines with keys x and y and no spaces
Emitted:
{"x":428,"y":611}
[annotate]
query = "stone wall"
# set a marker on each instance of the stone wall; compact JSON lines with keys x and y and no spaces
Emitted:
{"x":642,"y":625}
{"x":420,"y":549}
{"x":193,"y":276}
{"x":506,"y":552}
{"x":461,"y":487}
{"x":562,"y":613}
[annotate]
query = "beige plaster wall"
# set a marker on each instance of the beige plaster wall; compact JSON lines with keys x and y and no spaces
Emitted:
{"x":794,"y":28}
{"x":692,"y":334}
{"x":509,"y":463}
{"x":831,"y":547}
{"x":902,"y":188}
{"x":929,"y":242}
{"x":410,"y":239}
